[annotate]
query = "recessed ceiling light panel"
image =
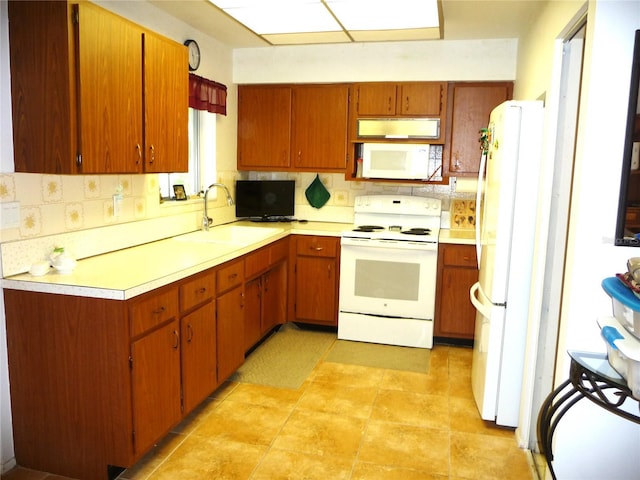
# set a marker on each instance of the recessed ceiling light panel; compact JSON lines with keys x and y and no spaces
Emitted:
{"x":385,"y":14}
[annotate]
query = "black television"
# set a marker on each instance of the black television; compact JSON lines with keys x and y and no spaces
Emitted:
{"x":265,"y":200}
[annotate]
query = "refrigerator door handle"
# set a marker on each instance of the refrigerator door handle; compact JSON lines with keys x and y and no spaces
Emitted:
{"x":479,"y":306}
{"x":483,"y":164}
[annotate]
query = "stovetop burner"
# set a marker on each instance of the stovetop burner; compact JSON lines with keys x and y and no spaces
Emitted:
{"x":368,"y":228}
{"x":417,"y":231}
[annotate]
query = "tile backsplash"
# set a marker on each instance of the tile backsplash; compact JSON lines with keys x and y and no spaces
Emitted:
{"x":79,"y":210}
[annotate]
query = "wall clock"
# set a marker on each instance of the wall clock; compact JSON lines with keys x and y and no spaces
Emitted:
{"x":194,"y":54}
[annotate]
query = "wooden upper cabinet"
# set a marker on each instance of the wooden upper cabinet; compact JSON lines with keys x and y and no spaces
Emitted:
{"x":320,"y":114}
{"x":285,"y":127}
{"x":264,"y":126}
{"x":166,"y":89}
{"x":376,"y":99}
{"x":388,"y":99}
{"x":470,"y":105}
{"x":108,"y":61}
{"x":420,"y":99}
{"x":78,"y":95}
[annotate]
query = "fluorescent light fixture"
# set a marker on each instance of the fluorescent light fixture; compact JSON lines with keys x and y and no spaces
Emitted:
{"x":385,"y":14}
{"x":281,"y":18}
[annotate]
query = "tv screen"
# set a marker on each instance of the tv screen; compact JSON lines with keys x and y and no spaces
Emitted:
{"x":265,"y":199}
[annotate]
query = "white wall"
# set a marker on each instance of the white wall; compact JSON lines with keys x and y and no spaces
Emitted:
{"x":393,"y":61}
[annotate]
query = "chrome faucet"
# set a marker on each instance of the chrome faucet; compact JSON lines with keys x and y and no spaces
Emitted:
{"x":206,"y":220}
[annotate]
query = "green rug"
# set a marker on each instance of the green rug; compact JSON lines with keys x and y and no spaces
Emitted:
{"x":286,"y":358}
{"x":380,"y":356}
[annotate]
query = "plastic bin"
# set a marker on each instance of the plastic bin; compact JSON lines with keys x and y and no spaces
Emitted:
{"x":626,"y":306}
{"x":623,"y":351}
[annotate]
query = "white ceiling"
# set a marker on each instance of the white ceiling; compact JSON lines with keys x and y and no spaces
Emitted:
{"x":463,"y":20}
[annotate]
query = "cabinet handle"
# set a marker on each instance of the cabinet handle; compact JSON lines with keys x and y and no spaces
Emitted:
{"x":177,"y":340}
{"x":159,"y":311}
{"x":152,"y":149}
{"x":389,"y":107}
{"x":328,"y":271}
{"x":139,"y":150}
{"x":233,"y":276}
{"x":202,"y":290}
{"x":189,"y":333}
{"x":406,"y":108}
{"x":317,"y":249}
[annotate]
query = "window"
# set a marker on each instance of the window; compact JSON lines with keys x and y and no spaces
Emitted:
{"x":202,"y":157}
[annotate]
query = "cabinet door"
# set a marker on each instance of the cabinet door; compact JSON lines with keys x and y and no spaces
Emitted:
{"x":320,"y":127}
{"x":155,"y":378}
{"x":252,"y":312}
{"x":109,"y":60}
{"x":166,"y":105}
{"x":420,"y":99}
{"x":230,"y":335}
{"x":316,"y":290}
{"x":457,"y":318}
{"x":472,"y":106}
{"x":274,"y":293}
{"x":376,"y":99}
{"x":198,"y":355}
{"x":264,"y":126}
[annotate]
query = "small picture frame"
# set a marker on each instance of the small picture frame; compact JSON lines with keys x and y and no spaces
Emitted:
{"x":179,"y":192}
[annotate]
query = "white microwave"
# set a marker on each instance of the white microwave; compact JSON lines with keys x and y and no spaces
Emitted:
{"x":399,"y":160}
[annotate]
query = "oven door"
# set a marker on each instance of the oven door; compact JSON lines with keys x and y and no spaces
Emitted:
{"x":388,"y":278}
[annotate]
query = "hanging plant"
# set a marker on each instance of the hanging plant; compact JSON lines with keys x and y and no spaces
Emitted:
{"x":484,"y":140}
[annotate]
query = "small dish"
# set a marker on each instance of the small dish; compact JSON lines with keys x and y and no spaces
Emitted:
{"x":39,"y":269}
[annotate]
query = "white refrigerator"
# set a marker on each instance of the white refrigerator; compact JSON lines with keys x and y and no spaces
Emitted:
{"x":506,"y":207}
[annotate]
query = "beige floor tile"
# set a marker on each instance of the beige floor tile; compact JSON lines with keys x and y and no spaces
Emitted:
{"x":460,"y":384}
{"x":201,"y":458}
{"x":348,"y":375}
{"x":20,"y":473}
{"x":431,"y":383}
{"x":466,"y":418}
{"x":285,"y":465}
{"x":330,"y":398}
{"x":320,"y":433}
{"x":487,"y":457}
{"x":406,"y":446}
{"x":243,"y":422}
{"x":410,"y":408}
{"x":154,"y":458}
{"x":265,"y":396}
{"x":369,"y":471}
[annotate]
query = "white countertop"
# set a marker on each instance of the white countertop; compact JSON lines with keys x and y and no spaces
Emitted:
{"x":461,"y":237}
{"x":129,"y":272}
{"x":126,"y":273}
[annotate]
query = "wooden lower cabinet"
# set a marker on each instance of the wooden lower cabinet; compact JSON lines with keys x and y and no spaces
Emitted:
{"x":230,"y":318}
{"x":457,"y":272}
{"x":316,"y":270}
{"x":156,"y":398}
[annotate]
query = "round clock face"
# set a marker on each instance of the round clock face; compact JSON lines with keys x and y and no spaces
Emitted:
{"x":194,"y":54}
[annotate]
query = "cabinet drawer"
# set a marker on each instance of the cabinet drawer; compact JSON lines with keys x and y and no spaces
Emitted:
{"x":153,"y":310}
{"x":230,"y":275}
{"x":317,"y":246}
{"x":197,"y":290}
{"x":279,"y":250}
{"x":256,"y":262}
{"x":459,"y":255}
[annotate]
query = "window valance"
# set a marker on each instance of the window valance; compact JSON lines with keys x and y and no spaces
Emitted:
{"x":205,"y":94}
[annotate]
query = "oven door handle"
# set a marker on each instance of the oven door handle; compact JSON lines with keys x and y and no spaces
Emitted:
{"x":389,"y":244}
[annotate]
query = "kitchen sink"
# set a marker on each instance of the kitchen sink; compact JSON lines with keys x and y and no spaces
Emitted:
{"x":230,"y":235}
